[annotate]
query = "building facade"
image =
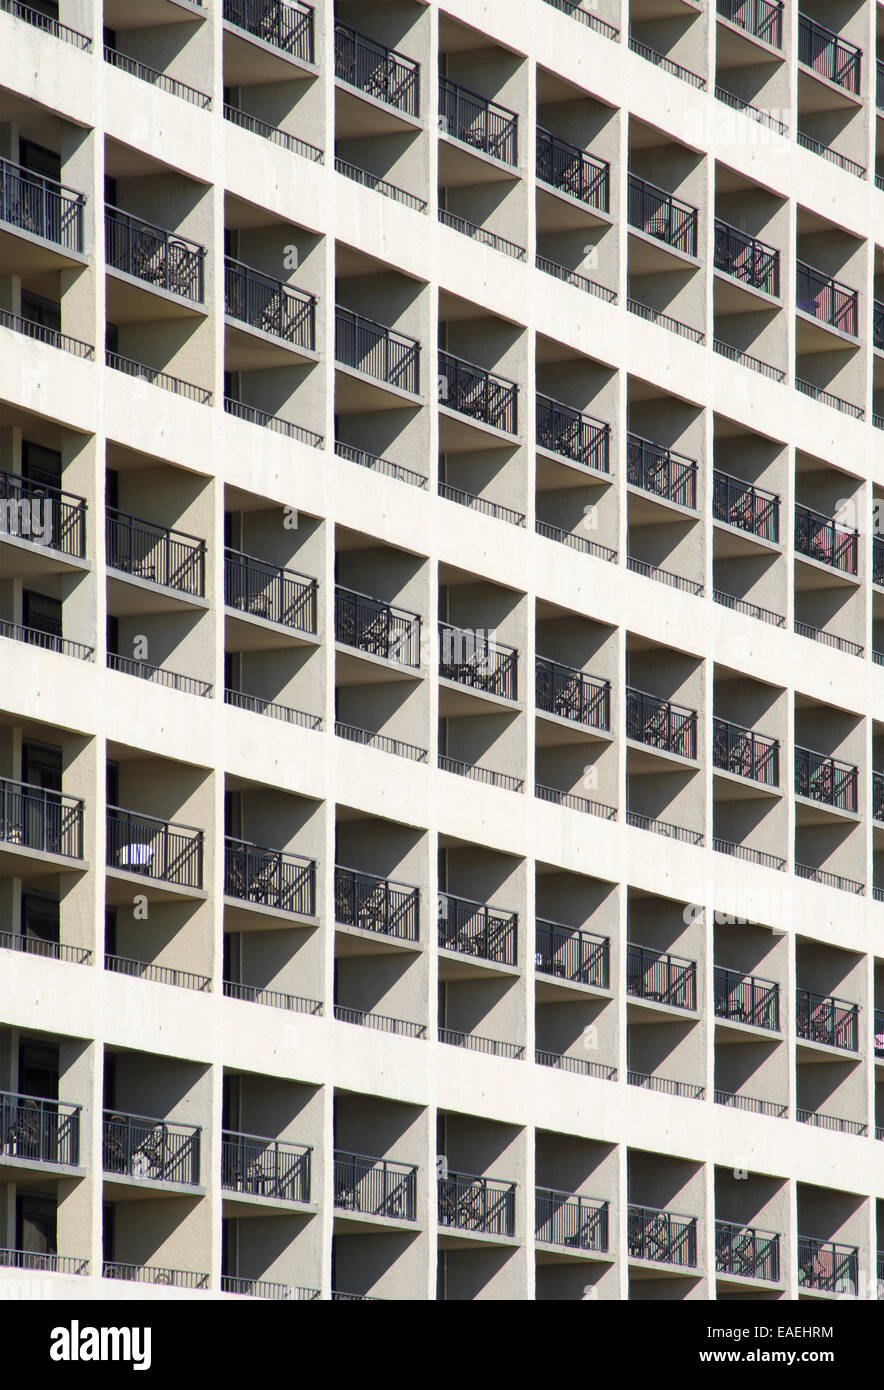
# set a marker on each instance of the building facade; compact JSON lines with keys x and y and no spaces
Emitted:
{"x":441,"y":649}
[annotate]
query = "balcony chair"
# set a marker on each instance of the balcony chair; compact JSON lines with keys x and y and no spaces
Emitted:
{"x":22,"y":1136}
{"x":135,"y":858}
{"x":465,"y":1208}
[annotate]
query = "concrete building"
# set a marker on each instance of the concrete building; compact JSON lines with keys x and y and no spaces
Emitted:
{"x":441,"y":649}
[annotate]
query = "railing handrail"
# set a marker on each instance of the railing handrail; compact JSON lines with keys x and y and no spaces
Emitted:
{"x":638,"y":182}
{"x":379,"y":602}
{"x":383,"y":329}
{"x":284,"y":1145}
{"x":651,"y":953}
{"x":661,"y":449}
{"x":747,"y":486}
{"x":26,"y":484}
{"x":454,"y":360}
{"x":163,"y":233}
{"x":139,"y":816}
{"x":41,"y":180}
{"x":805,"y":22}
{"x":375,"y":878}
{"x":660,"y":701}
{"x":501,"y":912}
{"x":111,"y":1115}
{"x":457,"y":88}
{"x":740,"y":975}
{"x":810,"y":994}
{"x":832,"y":521}
{"x":236,"y":842}
{"x":826,"y":759}
{"x":41,"y":793}
{"x":252,"y":272}
{"x":237,"y":555}
{"x":471,"y":633}
{"x":64,"y":1107}
{"x":390,"y":1164}
{"x":155,"y":527}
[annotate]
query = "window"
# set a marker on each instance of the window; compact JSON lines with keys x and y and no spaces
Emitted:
{"x":36,"y":1222}
{"x":41,"y":765}
{"x":46,"y":313}
{"x":40,"y":613}
{"x":40,"y":917}
{"x":38,"y":1069}
{"x":39,"y":159}
{"x":40,"y":465}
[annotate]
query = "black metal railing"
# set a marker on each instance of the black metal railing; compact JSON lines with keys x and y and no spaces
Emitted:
{"x":265,"y":1167}
{"x":381,"y":1023}
{"x":571,"y":694}
{"x":823,"y":1018}
{"x":661,"y":471}
{"x":375,"y":1186}
{"x":746,"y":1252}
{"x":34,"y":203}
{"x":134,"y":68}
{"x":47,"y":950}
{"x":156,"y":553}
{"x":746,"y":258}
{"x":477,"y":1204}
{"x":660,"y":977}
{"x":480,"y":504}
{"x":43,"y":1261}
{"x":146,"y":671}
{"x":154,"y":1274}
{"x":662,"y":1236}
{"x":33,"y":818}
{"x":367,"y":738}
{"x":138,"y":1146}
{"x":473,"y":391}
{"x":661,"y":215}
{"x":273,"y":133}
{"x":269,"y":304}
{"x":377,"y":350}
{"x":269,"y":591}
{"x":567,"y":167}
{"x":272,"y":998}
{"x":475,"y":121}
{"x":256,"y":705}
{"x":660,"y":723}
{"x":267,"y":1288}
{"x":578,"y":956}
{"x":746,"y":506}
{"x":761,"y":18}
{"x":282,"y":23}
{"x":822,"y":1264}
{"x":376,"y":904}
{"x":47,"y":23}
{"x":476,"y":773}
{"x":377,"y":628}
{"x":157,"y":974}
{"x":878,"y":796}
{"x":156,"y":848}
{"x":159,"y":257}
{"x":826,"y":299}
{"x":826,"y":779}
{"x":42,"y":513}
{"x":474,"y":1042}
{"x":573,"y":435}
{"x":878,"y":326}
{"x":746,"y":999}
{"x":379,"y":185}
{"x":142,"y":372}
{"x":378,"y":71}
{"x":476,"y":929}
{"x":272,"y":877}
{"x":832,"y":57}
{"x":467,"y":656}
{"x":567,"y":1219}
{"x":825,"y":539}
{"x":746,"y":753}
{"x":735,"y":1101}
{"x":36,"y":1130}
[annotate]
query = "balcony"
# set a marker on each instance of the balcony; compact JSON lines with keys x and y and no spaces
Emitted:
{"x":154,"y":1274}
{"x":376,"y":904}
{"x":826,"y":780}
{"x":376,"y":351}
{"x":569,"y":169}
{"x":879,"y":86}
{"x":661,"y":1236}
{"x":826,"y":1266}
{"x":136,"y":1146}
{"x":878,"y":561}
{"x":746,"y":259}
{"x":661,"y":978}
{"x":760,"y":18}
{"x":746,"y":1253}
{"x":745,"y":753}
{"x":270,"y":592}
{"x":576,"y":956}
{"x":283,"y":24}
{"x":825,"y":299}
{"x":477,"y":393}
{"x":469,"y":659}
{"x":828,"y":55}
{"x":476,"y":929}
{"x":483,"y":125}
{"x":270,"y":306}
{"x":661,"y":724}
{"x":660,"y":215}
{"x":878,"y":796}
{"x":259,"y":1167}
{"x":43,"y":514}
{"x":377,"y":628}
{"x":34,"y":1130}
{"x":33,"y":818}
{"x":376,"y":70}
{"x":153,"y":848}
{"x":270,"y":878}
{"x":661,"y":471}
{"x":44,"y":1262}
{"x":162,"y":259}
{"x":823,"y":539}
{"x":375,"y":1186}
{"x":47,"y":23}
{"x":40,"y":206}
{"x":572,"y":435}
{"x":748,"y":999}
{"x":571,"y":694}
{"x":157,"y":554}
{"x":570,"y":1221}
{"x":747,"y":507}
{"x":824,"y":1019}
{"x":468,"y":1203}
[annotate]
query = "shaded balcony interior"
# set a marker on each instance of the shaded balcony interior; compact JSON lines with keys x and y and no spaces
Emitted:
{"x":830,"y":81}
{"x":380,"y":867}
{"x":751,"y":224}
{"x":664,"y":951}
{"x":381,"y":698}
{"x":482,"y":729}
{"x":829,"y":599}
{"x":751,"y":1017}
{"x":750,"y":726}
{"x":476,"y":1207}
{"x":166,"y":45}
{"x":751,"y":1214}
{"x":829,"y":745}
{"x":576,"y":967}
{"x":42,"y":829}
{"x":574,"y":1207}
{"x":750,"y":67}
{"x":574,"y":718}
{"x":830,"y":1078}
{"x":270,"y":73}
{"x":670,"y":34}
{"x":830,"y":1228}
{"x":829,"y":360}
{"x":750,"y":524}
{"x":666,"y":187}
{"x":664,"y":792}
{"x":665,"y":536}
{"x":664,"y":1195}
